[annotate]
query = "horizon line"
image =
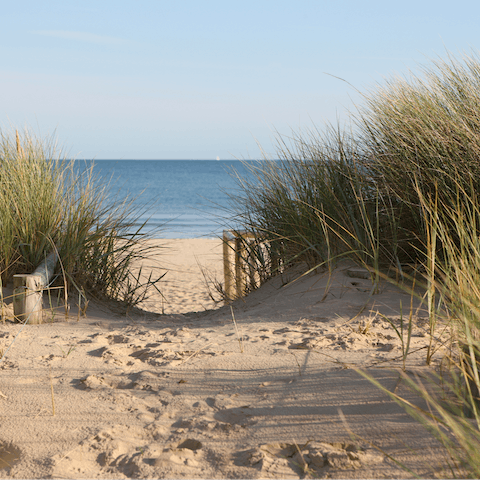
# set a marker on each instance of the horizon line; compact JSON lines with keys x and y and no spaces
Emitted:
{"x":172,"y":159}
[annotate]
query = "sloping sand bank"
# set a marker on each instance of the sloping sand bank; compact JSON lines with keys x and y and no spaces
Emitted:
{"x":193,"y":396}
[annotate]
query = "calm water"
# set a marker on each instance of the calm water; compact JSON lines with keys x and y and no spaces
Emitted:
{"x":185,"y":196}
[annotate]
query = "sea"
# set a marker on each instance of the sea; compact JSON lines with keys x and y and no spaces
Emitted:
{"x":174,"y":198}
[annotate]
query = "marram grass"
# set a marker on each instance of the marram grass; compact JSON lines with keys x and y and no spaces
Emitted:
{"x":47,"y":203}
{"x":398,"y":192}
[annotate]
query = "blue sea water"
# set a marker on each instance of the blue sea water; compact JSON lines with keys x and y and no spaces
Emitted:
{"x":186,"y":198}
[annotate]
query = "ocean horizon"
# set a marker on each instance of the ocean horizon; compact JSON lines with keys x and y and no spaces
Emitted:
{"x":173,"y":198}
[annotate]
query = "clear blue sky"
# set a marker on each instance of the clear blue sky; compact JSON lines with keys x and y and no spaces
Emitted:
{"x":197,"y":79}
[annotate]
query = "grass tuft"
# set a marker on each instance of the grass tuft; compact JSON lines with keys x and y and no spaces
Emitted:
{"x":49,"y":202}
{"x":397,"y":192}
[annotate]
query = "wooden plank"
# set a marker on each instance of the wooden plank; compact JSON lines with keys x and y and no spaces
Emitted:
{"x":46,"y":268}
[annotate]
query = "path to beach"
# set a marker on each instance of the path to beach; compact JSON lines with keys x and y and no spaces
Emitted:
{"x":189,"y":395}
{"x":188,"y":264}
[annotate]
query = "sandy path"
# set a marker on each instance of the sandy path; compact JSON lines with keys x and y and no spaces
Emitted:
{"x":187,"y":264}
{"x":189,"y":396}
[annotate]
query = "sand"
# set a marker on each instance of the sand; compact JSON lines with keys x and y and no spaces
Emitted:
{"x":191,"y":395}
{"x":188,"y":264}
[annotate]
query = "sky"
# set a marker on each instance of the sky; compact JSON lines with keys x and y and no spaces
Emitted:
{"x":201,"y":79}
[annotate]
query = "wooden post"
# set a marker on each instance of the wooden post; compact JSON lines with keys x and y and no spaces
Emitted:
{"x":252,"y":274}
{"x":227,"y":269}
{"x":235,"y":272}
{"x":28,"y":298}
{"x":239,"y":267}
{"x":28,"y":291}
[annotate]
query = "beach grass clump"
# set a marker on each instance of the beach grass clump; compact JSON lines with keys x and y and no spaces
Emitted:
{"x":357,"y":192}
{"x":49,"y":203}
{"x":420,"y":138}
{"x":421,"y":146}
{"x":453,"y":397}
{"x":316,"y":204}
{"x":402,"y":187}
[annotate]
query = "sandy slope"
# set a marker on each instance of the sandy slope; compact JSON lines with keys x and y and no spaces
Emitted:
{"x":188,"y":395}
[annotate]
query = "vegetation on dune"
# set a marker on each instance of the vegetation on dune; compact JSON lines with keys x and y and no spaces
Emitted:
{"x":48,"y":203}
{"x":401,"y":188}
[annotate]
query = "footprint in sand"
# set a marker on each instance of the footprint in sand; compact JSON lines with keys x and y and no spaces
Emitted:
{"x":230,"y":413}
{"x":116,"y":354}
{"x":120,"y":391}
{"x":7,"y":365}
{"x":215,"y":415}
{"x":361,"y":335}
{"x":147,"y":381}
{"x":187,"y":453}
{"x":95,"y":382}
{"x":10,"y":454}
{"x":117,"y":450}
{"x":289,"y":332}
{"x":184,"y":332}
{"x":237,"y":417}
{"x":315,"y":458}
{"x":122,"y":351}
{"x":207,"y":425}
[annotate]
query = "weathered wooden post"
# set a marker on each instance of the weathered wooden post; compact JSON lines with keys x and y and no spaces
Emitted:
{"x":235,"y":272}
{"x":227,"y":266}
{"x":27,"y":297}
{"x":239,"y":265}
{"x":28,"y":291}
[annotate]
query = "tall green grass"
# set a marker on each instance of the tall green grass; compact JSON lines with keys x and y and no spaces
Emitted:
{"x":412,"y":137}
{"x":400,"y":189}
{"x":453,"y":413}
{"x":48,"y":203}
{"x":316,"y":203}
{"x":420,"y":136}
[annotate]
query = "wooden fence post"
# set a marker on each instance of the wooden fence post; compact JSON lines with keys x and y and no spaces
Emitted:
{"x":235,"y":272}
{"x":239,"y":267}
{"x":28,"y":291}
{"x":227,"y":269}
{"x":27,"y":298}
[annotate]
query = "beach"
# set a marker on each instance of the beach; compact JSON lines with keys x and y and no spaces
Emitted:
{"x":186,"y":387}
{"x":190,"y":266}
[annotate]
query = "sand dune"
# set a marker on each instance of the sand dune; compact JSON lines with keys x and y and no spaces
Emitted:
{"x":189,"y":395}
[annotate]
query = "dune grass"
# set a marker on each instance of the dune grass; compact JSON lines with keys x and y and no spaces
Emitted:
{"x":398,"y":192}
{"x":48,"y":202}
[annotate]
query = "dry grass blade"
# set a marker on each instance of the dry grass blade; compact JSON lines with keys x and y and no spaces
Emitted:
{"x":239,"y":338}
